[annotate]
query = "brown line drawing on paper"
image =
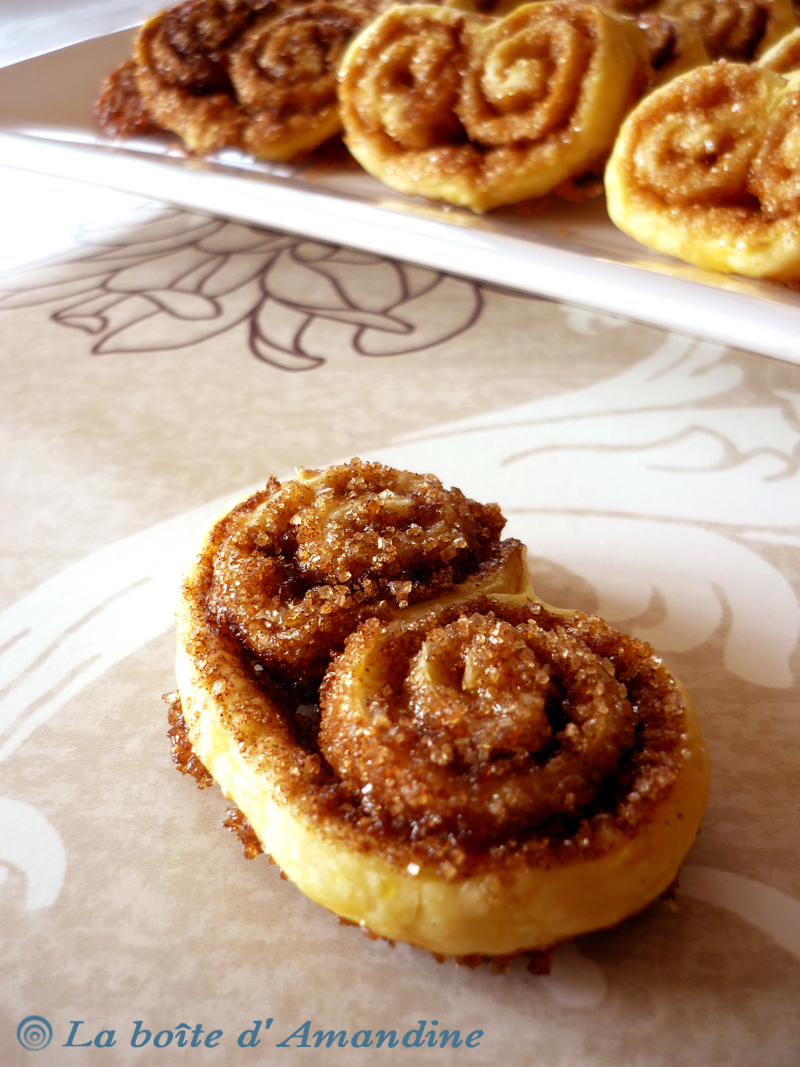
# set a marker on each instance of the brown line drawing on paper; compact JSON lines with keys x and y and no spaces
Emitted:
{"x":178,"y":279}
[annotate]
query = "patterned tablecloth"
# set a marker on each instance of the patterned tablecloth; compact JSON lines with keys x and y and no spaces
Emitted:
{"x":156,"y":364}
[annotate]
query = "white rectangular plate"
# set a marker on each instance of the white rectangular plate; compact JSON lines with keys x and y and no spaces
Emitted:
{"x":567,"y":252}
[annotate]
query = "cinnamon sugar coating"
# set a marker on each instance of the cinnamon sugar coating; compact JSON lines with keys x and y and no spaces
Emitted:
{"x":775,"y":171}
{"x":183,"y":755}
{"x":297,"y":567}
{"x":697,"y":143}
{"x":630,"y":774}
{"x":283,"y":73}
{"x":186,"y":44}
{"x":481,"y":718}
{"x":181,"y":70}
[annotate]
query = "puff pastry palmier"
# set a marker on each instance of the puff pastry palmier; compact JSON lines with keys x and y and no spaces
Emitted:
{"x":483,"y":112}
{"x":258,"y":75}
{"x":707,"y":169}
{"x":486,"y":775}
{"x":283,"y":73}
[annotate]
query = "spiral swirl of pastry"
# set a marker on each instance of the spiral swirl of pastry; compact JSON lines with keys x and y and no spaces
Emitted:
{"x":483,"y":717}
{"x":283,"y":73}
{"x":480,"y":113}
{"x":525,"y":83}
{"x":185,"y":44}
{"x":706,"y":167}
{"x":696,"y":142}
{"x":411,"y":93}
{"x":300,"y":565}
{"x":775,"y":173}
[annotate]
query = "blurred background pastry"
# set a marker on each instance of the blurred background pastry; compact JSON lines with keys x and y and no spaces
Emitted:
{"x":259,"y":75}
{"x":481,"y":112}
{"x":707,"y":169}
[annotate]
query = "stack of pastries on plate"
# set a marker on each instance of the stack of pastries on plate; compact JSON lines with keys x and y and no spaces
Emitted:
{"x":422,"y":745}
{"x":484,"y":103}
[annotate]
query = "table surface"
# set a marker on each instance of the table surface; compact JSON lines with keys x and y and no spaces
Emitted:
{"x":156,"y":364}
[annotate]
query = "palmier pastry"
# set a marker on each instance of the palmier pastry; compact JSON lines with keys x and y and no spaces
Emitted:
{"x":483,"y":112}
{"x":479,"y":774}
{"x":283,"y":73}
{"x":258,"y":75}
{"x":708,"y":169}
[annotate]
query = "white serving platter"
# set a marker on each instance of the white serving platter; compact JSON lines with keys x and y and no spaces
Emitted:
{"x":567,"y":252}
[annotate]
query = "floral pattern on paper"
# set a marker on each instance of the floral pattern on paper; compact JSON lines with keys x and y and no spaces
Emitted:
{"x":179,"y":279}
